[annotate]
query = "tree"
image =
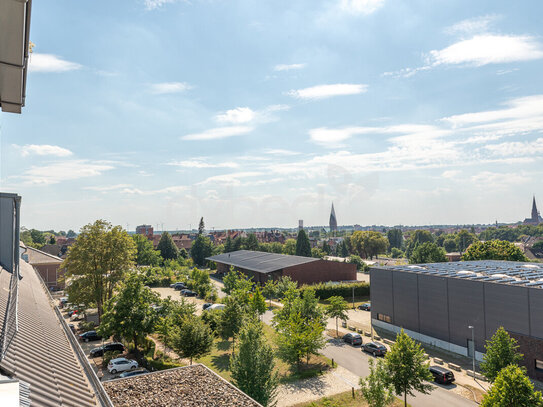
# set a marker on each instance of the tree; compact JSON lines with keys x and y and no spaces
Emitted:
{"x":343,"y":249}
{"x":303,"y":247}
{"x":253,"y":367}
{"x":501,"y":351}
{"x":396,"y":253}
{"x":285,"y":284}
{"x":354,"y":259}
{"x":231,"y":320}
{"x":375,"y":388}
{"x":417,"y":238}
{"x":494,"y":250}
{"x":406,"y":367}
{"x":37,"y":237}
{"x":289,"y":247}
{"x":97,"y":262}
{"x":538,"y":246}
{"x":428,"y":253}
{"x":317,"y":253}
{"x":235,"y":280}
{"x":270,"y":290}
{"x":166,"y":247}
{"x":193,"y":338}
{"x":450,"y":245}
{"x":464,"y":239}
{"x":258,"y":302}
{"x":368,"y":244}
{"x":71,"y":233}
{"x":337,"y":309}
{"x":201,"y":226}
{"x":395,"y":238}
{"x":201,"y":248}
{"x":129,"y":313}
{"x":326,"y":247}
{"x":52,"y":240}
{"x":512,"y":388}
{"x":146,"y":255}
{"x":228,"y":246}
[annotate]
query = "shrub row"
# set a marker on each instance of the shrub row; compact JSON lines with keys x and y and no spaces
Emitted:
{"x":345,"y":290}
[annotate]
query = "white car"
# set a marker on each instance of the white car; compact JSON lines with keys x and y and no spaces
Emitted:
{"x":215,"y":306}
{"x":121,"y":365}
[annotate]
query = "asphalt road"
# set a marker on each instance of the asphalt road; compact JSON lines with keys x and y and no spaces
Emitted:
{"x":356,"y":361}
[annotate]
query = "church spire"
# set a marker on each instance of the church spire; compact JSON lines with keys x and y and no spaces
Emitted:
{"x":333,"y":220}
{"x":535,"y":213}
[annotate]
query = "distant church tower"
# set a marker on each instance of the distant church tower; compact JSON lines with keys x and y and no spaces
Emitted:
{"x":333,"y":220}
{"x":535,"y":219}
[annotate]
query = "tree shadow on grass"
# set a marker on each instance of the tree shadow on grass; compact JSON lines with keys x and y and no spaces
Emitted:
{"x":221,"y":362}
{"x":223,"y":345}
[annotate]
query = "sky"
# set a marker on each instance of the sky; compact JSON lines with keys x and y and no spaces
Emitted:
{"x":255,"y":113}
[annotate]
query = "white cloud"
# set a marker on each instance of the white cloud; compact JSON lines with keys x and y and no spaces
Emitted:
{"x":326,"y":91}
{"x":51,"y":63}
{"x":169,"y":87}
{"x":474,"y":25}
{"x":107,"y":188}
{"x":154,"y":4}
{"x":219,"y":133}
{"x":495,"y":180}
{"x":364,"y":7}
{"x":517,"y":148}
{"x":283,"y":67}
{"x":195,"y":163}
{"x":43,"y":149}
{"x":488,"y":49}
{"x":450,"y":174}
{"x":279,"y":151}
{"x":63,"y":171}
{"x":236,"y":116}
{"x":176,"y":189}
{"x":232,"y":179}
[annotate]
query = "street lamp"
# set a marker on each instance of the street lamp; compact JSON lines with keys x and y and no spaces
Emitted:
{"x":473,"y":344}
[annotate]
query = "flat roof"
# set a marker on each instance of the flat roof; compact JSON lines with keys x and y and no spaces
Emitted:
{"x":495,"y":271}
{"x":261,"y":262}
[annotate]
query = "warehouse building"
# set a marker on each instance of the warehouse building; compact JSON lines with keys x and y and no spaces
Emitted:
{"x":262,"y":266}
{"x":446,"y":304}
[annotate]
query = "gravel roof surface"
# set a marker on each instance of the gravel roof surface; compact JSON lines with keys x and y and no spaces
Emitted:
{"x":186,"y":386}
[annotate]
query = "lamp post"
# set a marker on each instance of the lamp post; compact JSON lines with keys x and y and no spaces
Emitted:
{"x":473,"y":344}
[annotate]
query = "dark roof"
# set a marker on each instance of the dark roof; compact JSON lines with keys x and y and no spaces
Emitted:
{"x":260,"y":261}
{"x":502,"y":272}
{"x":36,"y":256}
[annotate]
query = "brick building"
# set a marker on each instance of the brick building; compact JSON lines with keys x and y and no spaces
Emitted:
{"x":47,"y":265}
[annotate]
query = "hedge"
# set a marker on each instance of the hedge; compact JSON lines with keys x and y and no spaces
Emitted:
{"x":345,"y":290}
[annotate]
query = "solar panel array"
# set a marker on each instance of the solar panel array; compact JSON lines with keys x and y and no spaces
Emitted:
{"x":502,"y":272}
{"x":260,"y":261}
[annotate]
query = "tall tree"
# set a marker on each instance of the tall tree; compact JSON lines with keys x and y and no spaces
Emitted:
{"x":368,"y":244}
{"x":428,"y":253}
{"x":326,"y":247}
{"x":250,"y":242}
{"x":231,"y":320}
{"x":228,"y":245}
{"x":253,"y":366}
{"x":270,"y":290}
{"x":303,"y":247}
{"x":417,"y":238}
{"x":464,"y":239}
{"x":258,"y":302}
{"x":406,"y":367}
{"x":375,"y":388}
{"x":70,"y":233}
{"x":129,"y":313}
{"x":501,"y":351}
{"x":201,"y":226}
{"x":395,"y":238}
{"x":166,"y":247}
{"x":337,"y":309}
{"x":146,"y":255}
{"x":201,"y":248}
{"x":494,"y":250}
{"x":344,"y":249}
{"x":289,"y":247}
{"x":512,"y":388}
{"x":97,"y":262}
{"x":193,"y":338}
{"x":285,"y":284}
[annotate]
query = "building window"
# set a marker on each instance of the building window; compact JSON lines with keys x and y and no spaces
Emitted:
{"x":539,"y":364}
{"x":383,"y":317}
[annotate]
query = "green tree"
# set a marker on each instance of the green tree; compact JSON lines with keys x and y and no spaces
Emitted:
{"x":375,"y":388}
{"x":231,"y":320}
{"x":52,"y":240}
{"x":284,"y":284}
{"x":201,"y":226}
{"x":97,"y":262}
{"x":417,"y":238}
{"x":538,"y":246}
{"x":276,"y":247}
{"x":343,"y":249}
{"x":368,"y":244}
{"x":464,"y":239}
{"x":395,"y":238}
{"x":326,"y":247}
{"x":512,"y":388}
{"x":450,"y":245}
{"x":129,"y":313}
{"x":396,"y":253}
{"x":270,"y":290}
{"x":146,"y":255}
{"x":250,"y":242}
{"x":501,"y":351}
{"x":228,"y":245}
{"x":235,"y":280}
{"x":337,"y":309}
{"x":494,"y":250}
{"x":428,"y":253}
{"x":303,"y":247}
{"x":289,"y":247}
{"x":357,"y":260}
{"x":201,"y":283}
{"x":193,"y":338}
{"x":406,"y":367}
{"x":201,"y":248}
{"x":253,"y":366}
{"x":37,"y":237}
{"x":70,"y":233}
{"x":166,"y":247}
{"x":317,"y":253}
{"x":258,"y":302}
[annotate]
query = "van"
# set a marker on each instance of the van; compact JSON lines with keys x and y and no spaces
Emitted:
{"x":442,"y":375}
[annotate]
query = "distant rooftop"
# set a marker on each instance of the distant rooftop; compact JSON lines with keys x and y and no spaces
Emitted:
{"x":36,"y":256}
{"x":502,"y":272}
{"x":261,"y":262}
{"x":189,"y":386}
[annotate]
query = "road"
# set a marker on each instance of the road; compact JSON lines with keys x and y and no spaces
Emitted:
{"x":356,"y":361}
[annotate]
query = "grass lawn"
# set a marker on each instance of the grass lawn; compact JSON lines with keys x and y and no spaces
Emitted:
{"x":219,"y":361}
{"x":342,"y":400}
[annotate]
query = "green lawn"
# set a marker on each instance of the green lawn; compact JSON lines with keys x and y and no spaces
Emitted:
{"x":342,"y":400}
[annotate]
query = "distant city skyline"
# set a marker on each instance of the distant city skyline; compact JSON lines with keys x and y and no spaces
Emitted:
{"x":258,"y":116}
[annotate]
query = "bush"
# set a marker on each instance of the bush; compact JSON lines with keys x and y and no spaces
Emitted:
{"x":87,"y":326}
{"x":213,"y":319}
{"x":396,"y":253}
{"x":345,"y":290}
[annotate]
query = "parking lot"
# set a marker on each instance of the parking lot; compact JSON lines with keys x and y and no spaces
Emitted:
{"x":166,"y":292}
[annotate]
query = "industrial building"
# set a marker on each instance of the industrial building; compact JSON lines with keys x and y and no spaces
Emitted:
{"x":448,"y":304}
{"x":262,"y":266}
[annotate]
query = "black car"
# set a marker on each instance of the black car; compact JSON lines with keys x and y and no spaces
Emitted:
{"x":353,"y":339}
{"x":188,"y":293}
{"x":375,"y":348}
{"x":206,"y":305}
{"x":442,"y":375}
{"x":89,"y":336}
{"x":133,"y":373}
{"x":108,"y":347}
{"x":179,"y":286}
{"x":365,"y":307}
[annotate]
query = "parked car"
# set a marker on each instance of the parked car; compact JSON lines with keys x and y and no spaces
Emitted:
{"x":216,"y":306}
{"x":442,"y":375}
{"x":89,"y":336}
{"x":133,"y":373}
{"x":365,"y":307}
{"x":77,"y":316}
{"x":72,"y":328}
{"x":207,"y":305}
{"x":121,"y":365}
{"x":108,"y":347}
{"x":62,"y":302}
{"x":188,"y":293}
{"x":179,"y":286}
{"x":375,"y":348}
{"x":353,"y":338}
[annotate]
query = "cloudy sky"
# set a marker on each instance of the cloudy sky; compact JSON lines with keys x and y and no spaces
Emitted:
{"x":260,"y":113}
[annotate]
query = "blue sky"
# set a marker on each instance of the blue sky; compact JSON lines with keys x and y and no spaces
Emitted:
{"x":260,"y":113}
